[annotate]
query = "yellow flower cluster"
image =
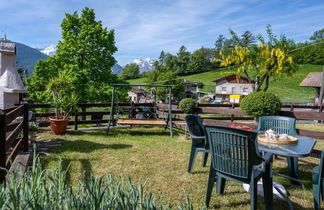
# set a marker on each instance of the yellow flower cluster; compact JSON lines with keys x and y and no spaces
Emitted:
{"x":267,"y":59}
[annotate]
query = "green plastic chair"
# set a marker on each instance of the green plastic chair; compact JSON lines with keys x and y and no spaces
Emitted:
{"x":235,"y":157}
{"x":282,"y":125}
{"x":318,"y":182}
{"x":197,"y":134}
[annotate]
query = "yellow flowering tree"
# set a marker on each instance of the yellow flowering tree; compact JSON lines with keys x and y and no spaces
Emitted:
{"x":261,"y":62}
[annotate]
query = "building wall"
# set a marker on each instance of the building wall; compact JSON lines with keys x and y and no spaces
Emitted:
{"x":8,"y":100}
{"x":233,"y":88}
{"x":133,"y":96}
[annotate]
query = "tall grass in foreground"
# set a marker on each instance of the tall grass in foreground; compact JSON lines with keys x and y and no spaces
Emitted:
{"x":47,"y":189}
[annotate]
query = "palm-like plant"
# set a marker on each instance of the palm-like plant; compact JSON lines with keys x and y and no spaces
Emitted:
{"x":63,"y":98}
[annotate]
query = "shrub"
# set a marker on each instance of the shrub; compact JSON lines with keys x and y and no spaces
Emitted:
{"x":261,"y":103}
{"x":187,"y":105}
{"x":43,"y":189}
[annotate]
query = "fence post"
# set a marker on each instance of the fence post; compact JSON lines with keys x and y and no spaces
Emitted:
{"x":25,"y":126}
{"x":84,"y":109}
{"x":2,"y":145}
{"x":232,"y":116}
{"x":76,"y":121}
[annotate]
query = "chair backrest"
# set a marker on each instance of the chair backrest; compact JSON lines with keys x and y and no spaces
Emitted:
{"x":234,"y":152}
{"x":282,"y":125}
{"x":321,"y":165}
{"x":195,"y":126}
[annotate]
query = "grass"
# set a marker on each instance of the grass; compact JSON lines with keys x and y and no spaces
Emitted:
{"x":287,"y":88}
{"x":150,"y":156}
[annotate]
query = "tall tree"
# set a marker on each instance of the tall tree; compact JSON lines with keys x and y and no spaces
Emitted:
{"x":219,"y":43}
{"x":182,"y":61}
{"x":247,"y":38}
{"x":86,"y":50}
{"x":162,"y":57}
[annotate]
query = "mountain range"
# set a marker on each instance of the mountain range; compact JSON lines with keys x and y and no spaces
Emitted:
{"x":27,"y":57}
{"x":144,"y":65}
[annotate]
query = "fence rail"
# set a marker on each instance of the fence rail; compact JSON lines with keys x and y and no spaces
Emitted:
{"x":13,"y":135}
{"x":233,"y":112}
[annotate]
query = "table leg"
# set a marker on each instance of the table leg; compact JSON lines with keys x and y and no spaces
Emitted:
{"x":293,"y":168}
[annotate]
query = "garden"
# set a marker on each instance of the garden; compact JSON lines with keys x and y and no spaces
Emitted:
{"x":83,"y":166}
{"x":149,"y":156}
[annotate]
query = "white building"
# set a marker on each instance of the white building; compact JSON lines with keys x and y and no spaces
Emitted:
{"x":11,"y":86}
{"x":137,"y":94}
{"x":232,"y":88}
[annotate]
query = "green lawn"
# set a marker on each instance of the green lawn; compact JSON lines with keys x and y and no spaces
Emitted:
{"x":286,"y":88}
{"x":150,"y":156}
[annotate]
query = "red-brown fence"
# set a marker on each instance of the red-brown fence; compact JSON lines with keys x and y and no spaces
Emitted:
{"x":228,"y":113}
{"x":13,"y":135}
{"x":97,"y":117}
{"x":300,"y":112}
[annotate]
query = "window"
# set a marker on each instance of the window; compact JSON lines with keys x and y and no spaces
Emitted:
{"x":233,"y":90}
{"x":245,"y":91}
{"x":223,"y":89}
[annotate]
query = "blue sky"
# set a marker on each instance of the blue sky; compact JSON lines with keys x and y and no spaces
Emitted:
{"x":145,"y":27}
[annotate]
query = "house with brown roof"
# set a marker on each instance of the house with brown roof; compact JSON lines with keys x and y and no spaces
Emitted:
{"x":232,"y":88}
{"x":137,"y":94}
{"x":314,"y":80}
{"x":191,"y":89}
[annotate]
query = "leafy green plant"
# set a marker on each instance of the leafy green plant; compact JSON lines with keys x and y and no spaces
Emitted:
{"x":64,"y":99}
{"x":187,"y":105}
{"x":40,"y":189}
{"x":261,"y":103}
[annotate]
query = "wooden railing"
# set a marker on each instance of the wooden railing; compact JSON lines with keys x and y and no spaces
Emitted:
{"x":228,"y":113}
{"x":300,"y":112}
{"x":97,"y":117}
{"x":13,"y":135}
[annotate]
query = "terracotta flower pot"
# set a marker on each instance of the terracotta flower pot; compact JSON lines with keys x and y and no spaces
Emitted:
{"x":58,"y":126}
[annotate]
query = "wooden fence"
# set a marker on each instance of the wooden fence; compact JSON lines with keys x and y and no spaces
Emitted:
{"x":97,"y":117}
{"x":300,"y":112}
{"x":232,"y":113}
{"x":13,"y":135}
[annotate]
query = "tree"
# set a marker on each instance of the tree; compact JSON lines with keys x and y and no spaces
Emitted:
{"x":182,"y":61}
{"x":131,"y":71}
{"x":199,"y":61}
{"x":169,"y":78}
{"x":317,"y":35}
{"x":162,"y":57}
{"x":86,"y":51}
{"x":247,"y":39}
{"x":265,"y":60}
{"x":219,"y":43}
{"x":310,"y":52}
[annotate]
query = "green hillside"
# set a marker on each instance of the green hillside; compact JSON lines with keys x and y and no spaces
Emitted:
{"x":287,"y":88}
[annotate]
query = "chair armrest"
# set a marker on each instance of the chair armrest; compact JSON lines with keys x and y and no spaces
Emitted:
{"x":197,"y":137}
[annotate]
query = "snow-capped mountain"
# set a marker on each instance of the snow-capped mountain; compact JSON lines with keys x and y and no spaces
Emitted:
{"x":144,"y":65}
{"x":49,"y":50}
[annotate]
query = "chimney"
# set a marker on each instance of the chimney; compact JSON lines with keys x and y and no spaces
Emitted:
{"x":11,"y":85}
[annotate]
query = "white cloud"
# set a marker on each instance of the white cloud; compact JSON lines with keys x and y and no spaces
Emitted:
{"x":143,"y":28}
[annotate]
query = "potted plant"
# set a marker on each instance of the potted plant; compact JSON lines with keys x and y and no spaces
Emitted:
{"x":65,"y":102}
